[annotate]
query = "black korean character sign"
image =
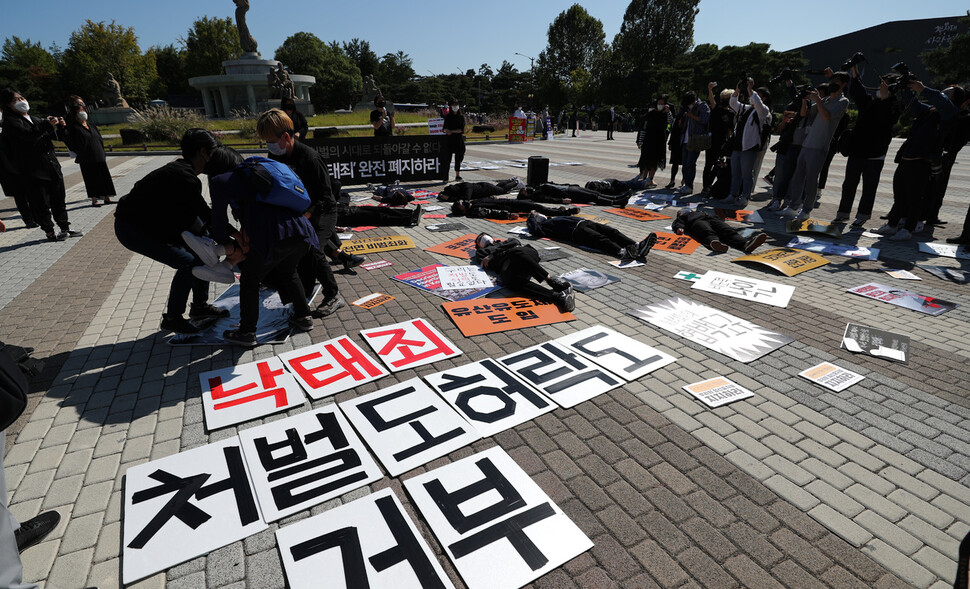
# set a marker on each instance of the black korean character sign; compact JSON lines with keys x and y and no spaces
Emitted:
{"x":497,"y":526}
{"x":616,"y":352}
{"x":407,"y":425}
{"x":490,"y":397}
{"x":565,"y":376}
{"x":409,"y":344}
{"x":304,"y":460}
{"x":331,"y":367}
{"x":186,"y":505}
{"x":367,"y":543}
{"x":247,"y":392}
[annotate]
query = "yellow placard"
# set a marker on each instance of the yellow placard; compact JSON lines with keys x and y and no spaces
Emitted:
{"x":372,"y":245}
{"x":786,"y":260}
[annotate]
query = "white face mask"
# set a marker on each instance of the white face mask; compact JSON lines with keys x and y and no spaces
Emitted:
{"x":21,"y":106}
{"x":274,"y":148}
{"x":454,"y":108}
{"x":82,"y":116}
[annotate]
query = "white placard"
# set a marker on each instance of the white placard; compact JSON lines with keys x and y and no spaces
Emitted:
{"x":409,"y":344}
{"x":520,"y":230}
{"x":434,"y":208}
{"x":304,"y":460}
{"x":331,"y":367}
{"x":369,"y":542}
{"x":718,"y":391}
{"x":944,"y":249}
{"x":749,"y":289}
{"x":827,"y":247}
{"x":564,"y":376}
{"x":463,"y":277}
{"x":497,"y":526}
{"x":247,"y":392}
{"x":490,"y":397}
{"x":407,"y":425}
{"x":688,"y":276}
{"x":831,"y":376}
{"x":184,"y":506}
{"x":616,"y":352}
{"x":901,"y":274}
{"x":436,"y":126}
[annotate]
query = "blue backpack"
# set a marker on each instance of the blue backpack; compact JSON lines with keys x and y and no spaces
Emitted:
{"x":275,"y":183}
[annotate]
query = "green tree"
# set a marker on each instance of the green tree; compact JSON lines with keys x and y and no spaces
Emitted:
{"x":361,"y":54}
{"x":170,"y":65}
{"x":208,"y":43}
{"x":655,"y":32}
{"x":575,"y":40}
{"x":338,"y":84}
{"x":97,"y":49}
{"x":950,"y":64}
{"x":395,"y":71}
{"x":30,"y":68}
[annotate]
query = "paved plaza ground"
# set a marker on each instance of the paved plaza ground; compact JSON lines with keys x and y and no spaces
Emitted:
{"x":795,"y":487}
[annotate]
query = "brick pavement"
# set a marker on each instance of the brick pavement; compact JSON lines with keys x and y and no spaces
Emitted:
{"x":795,"y":487}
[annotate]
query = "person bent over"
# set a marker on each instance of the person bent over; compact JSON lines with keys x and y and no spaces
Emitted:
{"x":586,"y":233}
{"x":517,"y":265}
{"x":714,"y":232}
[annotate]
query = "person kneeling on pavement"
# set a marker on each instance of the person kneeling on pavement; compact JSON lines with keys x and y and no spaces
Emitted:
{"x":714,"y":232}
{"x":586,"y":233}
{"x":517,"y":265}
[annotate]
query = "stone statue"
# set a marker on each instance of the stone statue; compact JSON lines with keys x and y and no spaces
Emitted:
{"x":280,"y":80}
{"x":370,"y":89}
{"x":112,"y":93}
{"x":245,"y":39}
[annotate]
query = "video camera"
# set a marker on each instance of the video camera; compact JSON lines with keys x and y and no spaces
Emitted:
{"x":853,"y":61}
{"x":786,"y":74}
{"x":904,"y":79}
{"x":743,"y":84}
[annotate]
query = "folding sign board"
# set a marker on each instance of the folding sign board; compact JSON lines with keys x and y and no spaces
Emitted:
{"x":718,"y":391}
{"x":716,"y":330}
{"x":372,"y":245}
{"x":831,"y":376}
{"x":409,"y":344}
{"x":304,"y":460}
{"x":408,"y":425}
{"x":904,"y":298}
{"x":186,"y":505}
{"x":616,"y":352}
{"x":331,"y":367}
{"x":490,"y":397}
{"x":679,"y":244}
{"x":788,"y":261}
{"x":497,"y":526}
{"x":370,"y":542}
{"x":493,"y":315}
{"x":564,"y":376}
{"x":460,"y":247}
{"x":749,"y":289}
{"x":247,"y":392}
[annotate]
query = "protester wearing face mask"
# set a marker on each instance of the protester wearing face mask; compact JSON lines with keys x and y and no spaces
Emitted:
{"x":454,"y":127}
{"x":27,"y":144}
{"x":84,"y":139}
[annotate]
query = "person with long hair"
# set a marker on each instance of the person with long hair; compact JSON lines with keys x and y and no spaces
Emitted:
{"x":84,"y":139}
{"x":652,"y":140}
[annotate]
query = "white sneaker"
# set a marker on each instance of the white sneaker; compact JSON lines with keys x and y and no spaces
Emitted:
{"x":902,"y":235}
{"x":220,"y":272}
{"x":519,"y":184}
{"x":919,"y":227}
{"x":775,"y":205}
{"x":801,"y":216}
{"x":788,"y":212}
{"x":886,"y":229}
{"x":206,"y":248}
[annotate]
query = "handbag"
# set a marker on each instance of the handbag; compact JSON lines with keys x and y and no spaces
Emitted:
{"x":699,"y":142}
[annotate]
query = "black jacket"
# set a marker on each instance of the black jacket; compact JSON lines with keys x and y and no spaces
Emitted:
{"x":165,"y":203}
{"x":86,"y":143}
{"x":688,"y":219}
{"x":873,"y":130}
{"x":27,"y":142}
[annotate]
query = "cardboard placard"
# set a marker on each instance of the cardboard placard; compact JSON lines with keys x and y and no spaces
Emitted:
{"x":511,"y":221}
{"x":811,"y":244}
{"x":749,"y":289}
{"x":331,"y":367}
{"x":369,"y":542}
{"x":679,"y":244}
{"x":460,"y":247}
{"x":489,"y":397}
{"x":831,"y":376}
{"x":427,"y":279}
{"x":584,"y":279}
{"x":716,"y":330}
{"x":246,"y":392}
{"x":493,"y":315}
{"x":564,"y":376}
{"x":371,"y":245}
{"x":718,"y":391}
{"x":949,"y":274}
{"x":407,"y":424}
{"x":372,"y":301}
{"x":463,"y":278}
{"x":434,"y":216}
{"x":447,"y":227}
{"x":814,"y":226}
{"x":946,"y":250}
{"x":638,"y":214}
{"x":409,"y":344}
{"x":186,"y":505}
{"x":876,"y":342}
{"x":904,"y":298}
{"x":594,"y":219}
{"x":688,"y":276}
{"x":901,"y":274}
{"x":616,"y":352}
{"x":497,"y":526}
{"x":788,"y":261}
{"x":375,"y":265}
{"x":304,"y":460}
{"x":739,"y":216}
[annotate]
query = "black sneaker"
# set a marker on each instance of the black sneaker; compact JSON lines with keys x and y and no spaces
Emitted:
{"x":35,"y":529}
{"x":719,"y":246}
{"x":240,"y":338}
{"x":73,"y":233}
{"x":206,"y":311}
{"x":30,"y":225}
{"x":566,"y":300}
{"x":558,"y":284}
{"x":351,"y":261}
{"x":328,"y":307}
{"x":416,"y":215}
{"x":301,"y":323}
{"x":51,"y":236}
{"x":644,"y":247}
{"x":755,"y":242}
{"x":179,"y":324}
{"x":628,"y":254}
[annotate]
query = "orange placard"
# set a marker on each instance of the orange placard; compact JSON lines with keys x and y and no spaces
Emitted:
{"x":671,"y":242}
{"x":638,"y":214}
{"x":461,"y":247}
{"x":517,"y":219}
{"x":482,"y":316}
{"x":733,"y":215}
{"x":375,"y":300}
{"x":786,"y":260}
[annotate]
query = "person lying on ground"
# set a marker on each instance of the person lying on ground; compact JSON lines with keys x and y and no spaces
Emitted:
{"x":586,"y":233}
{"x":518,"y":265}
{"x":572,"y":193}
{"x":367,"y":215}
{"x":393,"y":196}
{"x":714,"y":232}
{"x":474,"y":190}
{"x":506,"y":208}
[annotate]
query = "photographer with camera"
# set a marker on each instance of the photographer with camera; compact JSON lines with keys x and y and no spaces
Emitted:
{"x":823,"y":119}
{"x":952,"y":144}
{"x":919,"y":154}
{"x":720,"y":125}
{"x":695,"y":139}
{"x":753,"y":121}
{"x":792,"y":131}
{"x":865,"y":146}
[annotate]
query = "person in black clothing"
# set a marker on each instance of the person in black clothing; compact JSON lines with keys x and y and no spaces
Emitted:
{"x":27,"y":142}
{"x":506,"y":208}
{"x":954,"y":141}
{"x":473,"y":190}
{"x":380,"y":119}
{"x":151,"y":218}
{"x":714,"y":232}
{"x":10,"y":183}
{"x":84,"y":139}
{"x":583,"y":232}
{"x":300,"y":126}
{"x":721,"y":127}
{"x":454,"y":127}
{"x":570,"y":193}
{"x":517,"y":265}
{"x":276,"y":129}
{"x":676,"y":145}
{"x":393,"y":195}
{"x":652,"y":139}
{"x":360,"y":216}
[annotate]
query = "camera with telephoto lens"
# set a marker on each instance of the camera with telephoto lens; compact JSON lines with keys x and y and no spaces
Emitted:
{"x":784,"y":75}
{"x":853,"y":61}
{"x":802,"y":92}
{"x":904,"y":79}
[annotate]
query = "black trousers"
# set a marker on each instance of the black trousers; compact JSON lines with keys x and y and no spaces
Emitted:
{"x":868,"y":170}
{"x":47,"y":200}
{"x":938,"y":185}
{"x":371,"y":215}
{"x":315,"y":266}
{"x":707,"y":230}
{"x":521,"y":267}
{"x":910,"y":183}
{"x":280,"y":273}
{"x":601,"y":237}
{"x":456,"y":148}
